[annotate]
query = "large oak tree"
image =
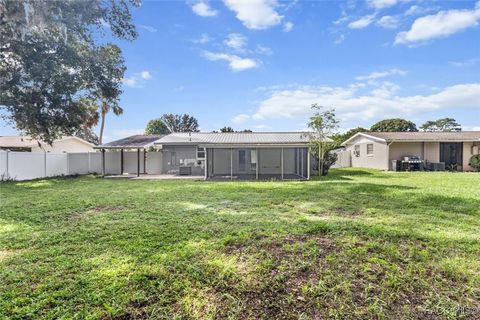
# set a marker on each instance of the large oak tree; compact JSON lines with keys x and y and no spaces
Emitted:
{"x":50,"y":60}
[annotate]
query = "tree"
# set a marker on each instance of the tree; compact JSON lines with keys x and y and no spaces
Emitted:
{"x":87,"y":135}
{"x":340,"y":138}
{"x":48,"y":59}
{"x":156,"y":126}
{"x":226,"y":129}
{"x":180,"y":123}
{"x":394,"y":125}
{"x":323,"y":124}
{"x":445,"y":124}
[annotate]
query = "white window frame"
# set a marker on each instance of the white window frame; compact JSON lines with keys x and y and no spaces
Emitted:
{"x":370,"y":154}
{"x":204,"y":150}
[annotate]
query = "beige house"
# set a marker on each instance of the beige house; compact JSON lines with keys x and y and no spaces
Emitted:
{"x":378,"y":149}
{"x":68,"y":144}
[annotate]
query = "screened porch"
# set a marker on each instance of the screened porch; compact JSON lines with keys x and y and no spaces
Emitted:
{"x":285,"y":163}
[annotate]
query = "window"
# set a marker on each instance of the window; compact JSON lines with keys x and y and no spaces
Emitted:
{"x":356,"y":151}
{"x":200,"y":153}
{"x":370,"y":149}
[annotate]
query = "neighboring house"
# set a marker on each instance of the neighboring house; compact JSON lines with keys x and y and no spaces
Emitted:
{"x":68,"y":144}
{"x":235,"y":155}
{"x":378,"y":149}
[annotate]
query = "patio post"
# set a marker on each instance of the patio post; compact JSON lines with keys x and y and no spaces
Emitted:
{"x":144,"y":161}
{"x":103,"y":162}
{"x":258,"y":163}
{"x":282,"y":163}
{"x":231,"y":163}
{"x":121,"y":161}
{"x":138,"y":162}
{"x":308,"y":163}
{"x":206,"y":163}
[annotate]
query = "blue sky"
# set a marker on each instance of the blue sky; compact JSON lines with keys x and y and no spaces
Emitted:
{"x":260,"y":64}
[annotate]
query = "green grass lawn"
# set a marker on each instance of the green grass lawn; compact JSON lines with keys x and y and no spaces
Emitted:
{"x":358,"y":244}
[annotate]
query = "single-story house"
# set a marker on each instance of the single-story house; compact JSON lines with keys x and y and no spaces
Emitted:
{"x":232,"y":155}
{"x":67,"y":144}
{"x":378,"y":150}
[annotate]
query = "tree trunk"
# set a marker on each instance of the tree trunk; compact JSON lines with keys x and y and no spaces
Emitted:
{"x":102,"y":126}
{"x":320,"y":153}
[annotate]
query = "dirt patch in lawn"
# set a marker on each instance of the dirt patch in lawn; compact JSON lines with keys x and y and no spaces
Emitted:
{"x":275,"y":288}
{"x":95,"y":210}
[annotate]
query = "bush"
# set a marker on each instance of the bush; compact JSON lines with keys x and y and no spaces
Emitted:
{"x":475,"y":162}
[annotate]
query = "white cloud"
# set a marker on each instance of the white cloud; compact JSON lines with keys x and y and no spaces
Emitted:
{"x":353,"y":103}
{"x":240,"y":118}
{"x":255,"y":14}
{"x":203,"y":9}
{"x":361,"y":23}
{"x":287,"y":26}
{"x":236,"y":41}
{"x":381,"y":4}
{"x":236,"y":63}
{"x":204,"y":38}
{"x":137,"y":79}
{"x":148,"y":28}
{"x":466,"y":63}
{"x":439,"y":25}
{"x":264,"y":50}
{"x":388,"y":22}
{"x":382,"y":74}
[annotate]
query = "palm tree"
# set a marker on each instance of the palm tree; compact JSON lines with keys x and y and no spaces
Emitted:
{"x":105,"y":108}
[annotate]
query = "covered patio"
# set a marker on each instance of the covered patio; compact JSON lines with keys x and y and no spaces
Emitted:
{"x":132,"y":153}
{"x":257,"y":162}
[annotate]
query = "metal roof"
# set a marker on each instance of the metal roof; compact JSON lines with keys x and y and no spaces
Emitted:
{"x":235,"y":138}
{"x":422,"y":136}
{"x":139,"y":141}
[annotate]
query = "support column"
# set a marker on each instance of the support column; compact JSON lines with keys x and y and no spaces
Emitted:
{"x":121,"y":161}
{"x":258,"y":163}
{"x":103,"y":162}
{"x":144,"y":161}
{"x":231,"y":163}
{"x":308,"y":163}
{"x":138,"y":162}
{"x":282,"y":163}
{"x":206,"y":164}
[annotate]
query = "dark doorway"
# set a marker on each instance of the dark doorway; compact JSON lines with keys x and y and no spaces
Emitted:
{"x":242,"y":160}
{"x":452,"y":154}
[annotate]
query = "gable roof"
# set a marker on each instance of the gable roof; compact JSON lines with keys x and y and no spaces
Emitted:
{"x":139,"y":141}
{"x":420,"y":136}
{"x":27,"y":141}
{"x":234,"y":138}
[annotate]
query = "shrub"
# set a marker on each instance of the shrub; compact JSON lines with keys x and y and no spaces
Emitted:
{"x":475,"y":162}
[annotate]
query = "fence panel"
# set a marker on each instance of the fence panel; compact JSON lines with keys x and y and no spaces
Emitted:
{"x":77,"y":163}
{"x":154,"y":162}
{"x":112,"y":162}
{"x":26,"y":165}
{"x":130,"y":162}
{"x":95,"y":165}
{"x":3,"y":165}
{"x":56,"y":164}
{"x":343,"y":159}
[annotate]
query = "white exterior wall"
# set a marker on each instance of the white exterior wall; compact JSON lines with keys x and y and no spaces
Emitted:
{"x":69,"y":145}
{"x":379,"y":158}
{"x":398,"y":150}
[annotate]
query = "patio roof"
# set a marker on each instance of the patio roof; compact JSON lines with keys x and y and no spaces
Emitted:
{"x":235,"y":138}
{"x":140,"y":141}
{"x":457,"y":136}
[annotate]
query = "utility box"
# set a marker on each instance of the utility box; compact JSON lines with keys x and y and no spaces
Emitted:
{"x":185,"y":171}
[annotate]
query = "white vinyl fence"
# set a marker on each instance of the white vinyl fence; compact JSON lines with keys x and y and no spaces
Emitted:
{"x":31,"y":165}
{"x":343,"y":159}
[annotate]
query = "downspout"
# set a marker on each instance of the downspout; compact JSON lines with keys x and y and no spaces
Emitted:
{"x":388,"y":154}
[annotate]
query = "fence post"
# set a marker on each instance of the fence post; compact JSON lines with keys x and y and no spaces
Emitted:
{"x":44,"y":164}
{"x":8,"y":173}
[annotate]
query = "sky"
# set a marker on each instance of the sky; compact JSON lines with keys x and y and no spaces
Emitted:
{"x":260,"y":64}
